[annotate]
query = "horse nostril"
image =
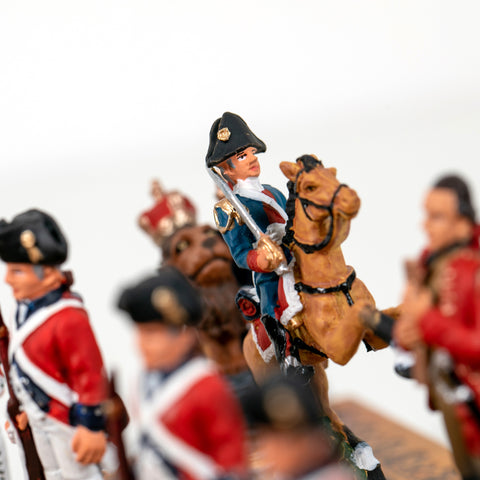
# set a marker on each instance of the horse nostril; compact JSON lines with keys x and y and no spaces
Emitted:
{"x":209,"y":242}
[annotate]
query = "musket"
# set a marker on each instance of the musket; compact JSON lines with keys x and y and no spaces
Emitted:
{"x":32,"y":460}
{"x":243,"y":213}
{"x":117,"y":420}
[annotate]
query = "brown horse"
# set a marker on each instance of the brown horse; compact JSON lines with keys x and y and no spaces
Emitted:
{"x":320,"y":210}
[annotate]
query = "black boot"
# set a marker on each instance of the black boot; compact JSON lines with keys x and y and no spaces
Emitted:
{"x":289,"y":365}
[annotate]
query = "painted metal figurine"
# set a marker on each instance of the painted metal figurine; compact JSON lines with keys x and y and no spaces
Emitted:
{"x":292,"y":436}
{"x":441,"y":317}
{"x":56,"y":366}
{"x":252,"y":221}
{"x":309,"y":308}
{"x":200,"y":253}
{"x":190,"y":422}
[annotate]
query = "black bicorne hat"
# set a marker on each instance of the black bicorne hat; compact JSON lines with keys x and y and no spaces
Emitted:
{"x":228,"y":136}
{"x":32,"y":237}
{"x":167,"y":297}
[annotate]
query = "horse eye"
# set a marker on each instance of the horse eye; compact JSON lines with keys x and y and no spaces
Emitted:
{"x":181,"y":246}
{"x":310,"y":188}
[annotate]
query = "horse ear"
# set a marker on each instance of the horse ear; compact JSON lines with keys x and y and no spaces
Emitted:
{"x":334,"y":171}
{"x":290,"y":170}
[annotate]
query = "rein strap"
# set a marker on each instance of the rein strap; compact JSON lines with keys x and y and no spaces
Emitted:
{"x":343,"y":287}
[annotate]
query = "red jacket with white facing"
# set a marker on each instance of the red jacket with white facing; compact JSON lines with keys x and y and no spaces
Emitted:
{"x":454,"y":325}
{"x":60,"y":346}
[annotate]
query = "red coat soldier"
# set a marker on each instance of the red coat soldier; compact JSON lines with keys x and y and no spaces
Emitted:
{"x":56,"y":366}
{"x":441,"y":317}
{"x":191,"y":425}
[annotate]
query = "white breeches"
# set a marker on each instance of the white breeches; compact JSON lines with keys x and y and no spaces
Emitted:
{"x":53,"y":441}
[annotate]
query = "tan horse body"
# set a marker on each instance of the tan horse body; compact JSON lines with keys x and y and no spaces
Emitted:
{"x":320,"y":210}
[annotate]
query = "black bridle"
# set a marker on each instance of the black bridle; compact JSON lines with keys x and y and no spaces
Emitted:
{"x":305,"y":202}
{"x":289,"y":238}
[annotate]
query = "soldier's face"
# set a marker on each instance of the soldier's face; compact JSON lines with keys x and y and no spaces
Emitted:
{"x":25,"y":283}
{"x":245,"y":165}
{"x":163,"y":347}
{"x":442,"y":222}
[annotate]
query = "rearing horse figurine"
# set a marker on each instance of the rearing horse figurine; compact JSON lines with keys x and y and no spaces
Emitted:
{"x":320,"y":210}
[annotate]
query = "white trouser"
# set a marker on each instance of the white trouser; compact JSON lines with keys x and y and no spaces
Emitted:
{"x":53,"y":441}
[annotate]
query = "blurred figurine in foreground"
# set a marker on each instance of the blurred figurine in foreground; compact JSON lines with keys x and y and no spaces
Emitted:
{"x":291,"y":437}
{"x":440,"y":319}
{"x":191,"y":425}
{"x":200,"y":253}
{"x":56,"y":366}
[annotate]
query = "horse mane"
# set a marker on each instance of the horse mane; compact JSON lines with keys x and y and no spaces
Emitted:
{"x":290,"y":211}
{"x":309,"y":162}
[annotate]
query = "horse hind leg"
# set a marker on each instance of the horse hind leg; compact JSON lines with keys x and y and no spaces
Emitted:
{"x":319,"y":383}
{"x":363,"y":457}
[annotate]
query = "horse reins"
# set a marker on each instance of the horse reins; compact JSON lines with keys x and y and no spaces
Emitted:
{"x":343,"y":287}
{"x":305,"y":202}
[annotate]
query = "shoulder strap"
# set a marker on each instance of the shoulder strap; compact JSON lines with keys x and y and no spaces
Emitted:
{"x":173,"y":448}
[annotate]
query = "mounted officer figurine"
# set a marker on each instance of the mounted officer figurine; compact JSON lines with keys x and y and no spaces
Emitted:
{"x":252,"y":220}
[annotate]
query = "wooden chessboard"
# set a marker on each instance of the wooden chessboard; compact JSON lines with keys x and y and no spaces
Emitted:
{"x":404,"y":455}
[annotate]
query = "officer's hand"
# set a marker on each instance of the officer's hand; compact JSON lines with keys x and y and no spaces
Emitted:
{"x":269,"y":254}
{"x":88,"y":445}
{"x":21,"y":420}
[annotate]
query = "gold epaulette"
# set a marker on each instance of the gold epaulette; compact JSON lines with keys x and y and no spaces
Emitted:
{"x":231,"y":213}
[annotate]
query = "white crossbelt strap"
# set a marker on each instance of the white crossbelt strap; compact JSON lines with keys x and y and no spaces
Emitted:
{"x":260,"y":197}
{"x":52,"y":387}
{"x":175,"y":449}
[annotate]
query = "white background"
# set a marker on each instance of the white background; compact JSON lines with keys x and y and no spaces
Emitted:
{"x":98,"y":97}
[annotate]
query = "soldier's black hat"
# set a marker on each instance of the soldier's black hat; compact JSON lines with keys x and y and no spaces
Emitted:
{"x":32,"y":237}
{"x":228,"y":136}
{"x":167,"y":297}
{"x":282,"y":403}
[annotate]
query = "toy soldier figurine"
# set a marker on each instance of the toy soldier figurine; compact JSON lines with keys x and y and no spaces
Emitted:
{"x":191,"y":425}
{"x":441,"y":317}
{"x":56,"y":366}
{"x":252,"y":221}
{"x":292,"y":437}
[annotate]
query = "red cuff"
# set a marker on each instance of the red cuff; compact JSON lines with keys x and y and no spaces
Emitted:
{"x":252,"y":256}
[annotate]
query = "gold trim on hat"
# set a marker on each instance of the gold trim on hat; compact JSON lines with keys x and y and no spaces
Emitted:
{"x":224,"y":134}
{"x":27,"y":240}
{"x":167,"y":304}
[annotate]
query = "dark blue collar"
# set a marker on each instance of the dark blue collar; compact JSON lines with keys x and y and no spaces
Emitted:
{"x":34,"y":305}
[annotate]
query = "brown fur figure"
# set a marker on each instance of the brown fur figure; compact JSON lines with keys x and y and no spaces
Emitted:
{"x":200,"y":253}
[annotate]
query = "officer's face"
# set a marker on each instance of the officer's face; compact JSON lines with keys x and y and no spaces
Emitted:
{"x":163,"y":347}
{"x":442,"y":223}
{"x":245,"y":165}
{"x":25,"y":283}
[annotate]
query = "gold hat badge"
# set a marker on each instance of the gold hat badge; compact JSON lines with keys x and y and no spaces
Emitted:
{"x":167,"y":304}
{"x":27,"y":240}
{"x":224,"y":134}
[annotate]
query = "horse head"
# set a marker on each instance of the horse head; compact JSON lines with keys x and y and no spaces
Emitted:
{"x":319,"y":207}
